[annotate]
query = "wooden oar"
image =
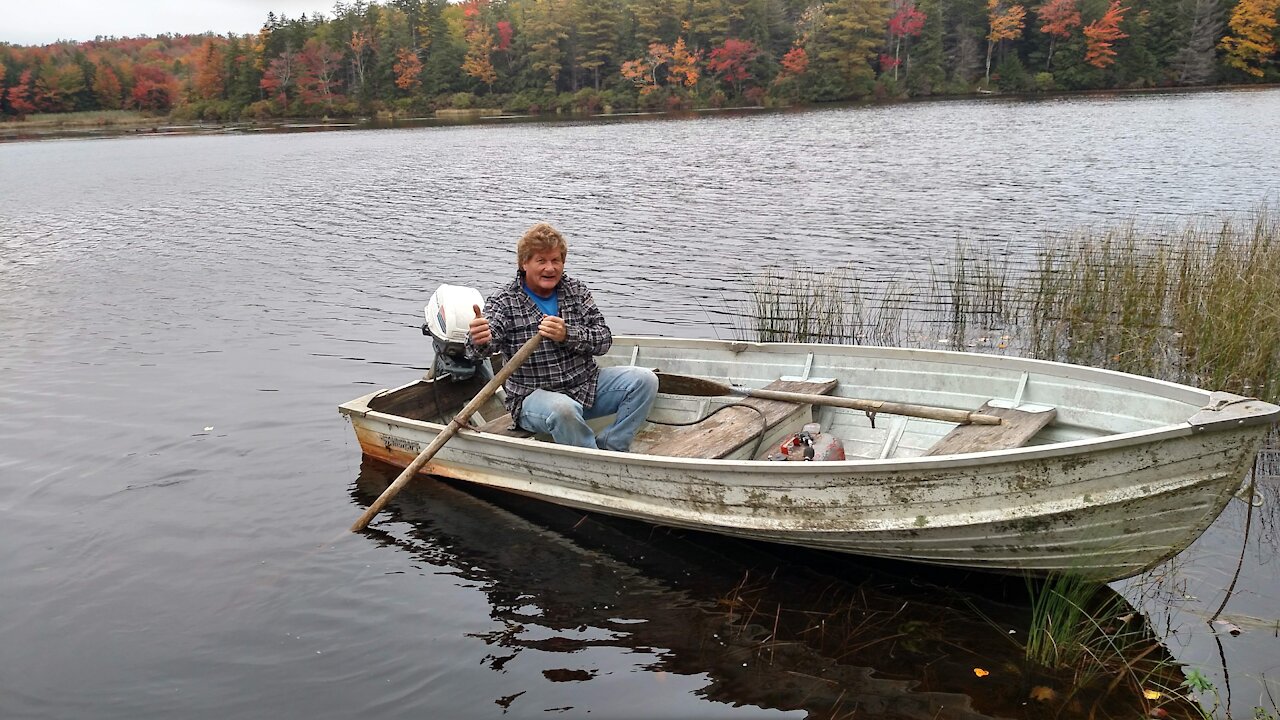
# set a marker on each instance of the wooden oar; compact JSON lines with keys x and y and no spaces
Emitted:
{"x":704,"y":387}
{"x":454,"y":425}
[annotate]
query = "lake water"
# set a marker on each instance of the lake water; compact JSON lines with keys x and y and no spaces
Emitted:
{"x":180,"y":316}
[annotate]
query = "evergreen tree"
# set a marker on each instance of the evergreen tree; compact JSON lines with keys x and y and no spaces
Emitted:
{"x":847,"y":42}
{"x":925,"y":73}
{"x":596,"y":37}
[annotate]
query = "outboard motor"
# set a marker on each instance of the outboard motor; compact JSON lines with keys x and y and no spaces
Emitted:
{"x":448,"y":314}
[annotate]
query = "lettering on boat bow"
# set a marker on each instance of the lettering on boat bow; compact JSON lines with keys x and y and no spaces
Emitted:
{"x":394,"y":443}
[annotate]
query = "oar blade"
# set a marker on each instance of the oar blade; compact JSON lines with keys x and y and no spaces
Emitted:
{"x":690,"y":385}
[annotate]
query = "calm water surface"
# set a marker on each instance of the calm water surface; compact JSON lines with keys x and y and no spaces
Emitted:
{"x":180,"y":316}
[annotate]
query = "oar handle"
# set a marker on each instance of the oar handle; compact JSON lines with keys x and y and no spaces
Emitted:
{"x":455,"y":424}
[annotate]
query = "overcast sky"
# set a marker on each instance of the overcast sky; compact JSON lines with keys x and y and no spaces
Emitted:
{"x":39,"y":22}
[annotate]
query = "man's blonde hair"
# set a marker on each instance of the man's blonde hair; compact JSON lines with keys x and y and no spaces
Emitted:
{"x":540,"y":238}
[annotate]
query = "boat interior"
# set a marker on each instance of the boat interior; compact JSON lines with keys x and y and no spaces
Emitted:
{"x":1039,"y":402}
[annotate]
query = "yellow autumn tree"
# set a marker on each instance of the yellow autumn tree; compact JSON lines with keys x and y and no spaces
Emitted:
{"x":1006,"y":23}
{"x":1252,"y":42}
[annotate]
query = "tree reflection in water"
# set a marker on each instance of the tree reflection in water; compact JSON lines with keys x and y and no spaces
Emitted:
{"x":768,"y":626}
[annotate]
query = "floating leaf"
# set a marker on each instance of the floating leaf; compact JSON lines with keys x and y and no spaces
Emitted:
{"x":1228,"y":626}
{"x":1040,"y":693}
{"x":980,"y":672}
{"x":1152,"y":694}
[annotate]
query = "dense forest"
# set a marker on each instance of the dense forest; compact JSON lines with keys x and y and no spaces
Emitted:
{"x":417,"y":56}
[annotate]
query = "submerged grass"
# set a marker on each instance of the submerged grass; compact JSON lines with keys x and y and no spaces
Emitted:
{"x":1197,"y":303}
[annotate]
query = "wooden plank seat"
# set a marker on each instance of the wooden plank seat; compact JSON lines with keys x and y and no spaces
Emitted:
{"x":723,"y":433}
{"x":1019,"y":426}
{"x":503,"y":426}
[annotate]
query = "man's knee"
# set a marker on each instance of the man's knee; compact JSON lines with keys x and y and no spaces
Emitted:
{"x":562,"y":410}
{"x":641,"y":381}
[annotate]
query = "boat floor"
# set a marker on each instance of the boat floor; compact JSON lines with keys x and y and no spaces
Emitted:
{"x":732,"y":429}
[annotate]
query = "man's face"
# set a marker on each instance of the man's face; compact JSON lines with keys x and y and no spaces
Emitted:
{"x":542,"y":271}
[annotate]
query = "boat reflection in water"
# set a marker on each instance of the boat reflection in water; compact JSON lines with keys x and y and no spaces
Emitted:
{"x":767,"y":626}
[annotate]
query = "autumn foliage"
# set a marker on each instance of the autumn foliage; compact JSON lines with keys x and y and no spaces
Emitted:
{"x":1252,"y":42}
{"x":1102,"y":34}
{"x":732,"y":60}
{"x":414,"y":56}
{"x":673,"y":66}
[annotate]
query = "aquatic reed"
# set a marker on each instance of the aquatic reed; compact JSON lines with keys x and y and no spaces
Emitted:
{"x":1197,"y":303}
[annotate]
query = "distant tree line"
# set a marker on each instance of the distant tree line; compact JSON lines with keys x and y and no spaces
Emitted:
{"x":416,"y":56}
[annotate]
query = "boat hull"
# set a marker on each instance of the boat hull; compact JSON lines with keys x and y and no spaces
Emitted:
{"x":1105,"y":508}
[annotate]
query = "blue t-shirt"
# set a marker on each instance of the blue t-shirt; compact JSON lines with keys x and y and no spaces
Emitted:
{"x":548,"y":306}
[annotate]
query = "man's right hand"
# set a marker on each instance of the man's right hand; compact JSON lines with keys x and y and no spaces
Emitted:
{"x":479,"y":329}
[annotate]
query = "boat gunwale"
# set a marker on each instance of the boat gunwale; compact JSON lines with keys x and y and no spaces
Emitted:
{"x":830,"y":467}
{"x":1163,"y":388}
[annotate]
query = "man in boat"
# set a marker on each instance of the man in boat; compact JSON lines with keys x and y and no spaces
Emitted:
{"x":560,"y":387}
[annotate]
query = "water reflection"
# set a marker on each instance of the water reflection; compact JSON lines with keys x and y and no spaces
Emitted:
{"x":768,"y":627}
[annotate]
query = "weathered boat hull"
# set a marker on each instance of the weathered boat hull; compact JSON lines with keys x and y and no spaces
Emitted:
{"x":1106,"y":507}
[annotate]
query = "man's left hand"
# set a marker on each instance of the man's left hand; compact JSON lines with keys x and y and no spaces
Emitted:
{"x":553,"y":328}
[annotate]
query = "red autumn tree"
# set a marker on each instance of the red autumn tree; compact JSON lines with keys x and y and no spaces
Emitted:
{"x":281,"y":75}
{"x":504,"y":34}
{"x":1057,"y":19}
{"x":795,"y":62}
{"x":731,"y":60}
{"x":19,"y":95}
{"x":153,"y":88}
{"x":319,"y":79}
{"x":908,"y":22}
{"x":1101,"y":34}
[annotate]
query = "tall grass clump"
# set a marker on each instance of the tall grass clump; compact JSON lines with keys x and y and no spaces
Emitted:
{"x":1083,"y":629}
{"x":1197,"y":303}
{"x":825,"y":307}
{"x":1064,"y":631}
{"x":1228,"y":309}
{"x":1100,"y":299}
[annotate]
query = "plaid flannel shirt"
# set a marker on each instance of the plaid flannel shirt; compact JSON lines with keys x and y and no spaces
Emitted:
{"x":567,"y":367}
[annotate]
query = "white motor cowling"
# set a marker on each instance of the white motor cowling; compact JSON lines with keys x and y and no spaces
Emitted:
{"x":448,"y":314}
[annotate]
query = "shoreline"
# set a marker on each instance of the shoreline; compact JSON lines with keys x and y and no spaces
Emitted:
{"x":128,"y":123}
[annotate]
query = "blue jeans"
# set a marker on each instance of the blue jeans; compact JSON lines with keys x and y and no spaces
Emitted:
{"x":627,"y":391}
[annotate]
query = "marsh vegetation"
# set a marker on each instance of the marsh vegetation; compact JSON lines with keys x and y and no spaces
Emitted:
{"x":1197,"y":303}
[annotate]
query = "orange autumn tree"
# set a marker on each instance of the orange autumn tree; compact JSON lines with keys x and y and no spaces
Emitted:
{"x":407,"y":69}
{"x":1057,"y":19}
{"x":478,"y":62}
{"x":1101,"y":34}
{"x":1006,"y":23}
{"x":1252,"y":42}
{"x":680,"y":66}
{"x":106,"y":87}
{"x":208,"y":82}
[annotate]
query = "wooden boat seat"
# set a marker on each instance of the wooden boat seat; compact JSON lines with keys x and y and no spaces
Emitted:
{"x":1019,"y":426}
{"x":503,"y":426}
{"x":722,"y":433}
